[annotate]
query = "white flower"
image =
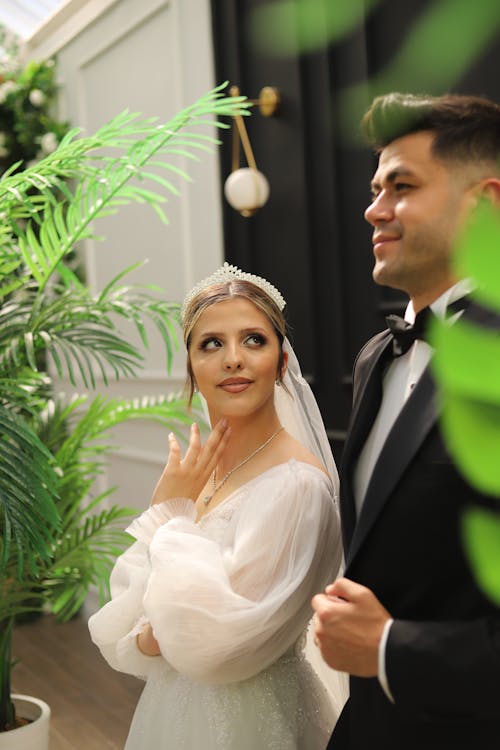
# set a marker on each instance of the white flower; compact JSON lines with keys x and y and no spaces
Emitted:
{"x":7,"y":88}
{"x":48,"y":142}
{"x":3,"y":152}
{"x":36,"y":97}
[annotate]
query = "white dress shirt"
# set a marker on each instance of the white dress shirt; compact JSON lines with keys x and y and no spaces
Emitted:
{"x":400,"y":379}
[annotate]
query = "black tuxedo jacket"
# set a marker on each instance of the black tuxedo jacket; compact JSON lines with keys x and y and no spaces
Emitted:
{"x":443,"y":652}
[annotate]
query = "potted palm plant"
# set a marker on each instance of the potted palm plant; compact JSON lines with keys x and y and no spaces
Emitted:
{"x":56,"y":537}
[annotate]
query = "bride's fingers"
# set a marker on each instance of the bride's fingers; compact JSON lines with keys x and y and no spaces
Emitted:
{"x":174,"y":451}
{"x":170,"y":469}
{"x":194,"y":446}
{"x":215,"y":446}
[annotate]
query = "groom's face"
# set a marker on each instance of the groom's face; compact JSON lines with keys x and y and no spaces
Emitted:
{"x":418,"y":205}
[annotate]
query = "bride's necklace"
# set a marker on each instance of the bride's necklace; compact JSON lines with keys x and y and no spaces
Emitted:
{"x":218,"y":485}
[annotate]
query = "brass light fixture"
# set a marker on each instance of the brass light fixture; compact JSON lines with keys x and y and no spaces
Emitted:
{"x":247,"y":189}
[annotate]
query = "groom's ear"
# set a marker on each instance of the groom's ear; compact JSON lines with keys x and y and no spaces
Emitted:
{"x":490,"y":189}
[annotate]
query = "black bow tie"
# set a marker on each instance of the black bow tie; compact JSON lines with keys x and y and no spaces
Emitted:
{"x":404,"y":333}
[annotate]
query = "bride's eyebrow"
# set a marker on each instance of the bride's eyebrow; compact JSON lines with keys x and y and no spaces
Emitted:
{"x":208,"y":334}
{"x":253,"y":329}
{"x":242,"y":332}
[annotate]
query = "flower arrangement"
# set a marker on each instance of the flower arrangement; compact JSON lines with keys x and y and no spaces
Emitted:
{"x":28,"y":128}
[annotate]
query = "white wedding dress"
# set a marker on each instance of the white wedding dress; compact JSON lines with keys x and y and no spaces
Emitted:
{"x":229,"y":602}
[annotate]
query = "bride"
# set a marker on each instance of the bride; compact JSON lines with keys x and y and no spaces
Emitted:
{"x":211,"y":603}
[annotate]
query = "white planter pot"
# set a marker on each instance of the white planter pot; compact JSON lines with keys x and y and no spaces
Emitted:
{"x":33,"y":736}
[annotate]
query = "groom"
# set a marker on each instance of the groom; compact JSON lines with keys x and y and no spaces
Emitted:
{"x":408,"y":621}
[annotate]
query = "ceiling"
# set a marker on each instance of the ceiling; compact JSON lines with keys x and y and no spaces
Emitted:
{"x":24,"y":16}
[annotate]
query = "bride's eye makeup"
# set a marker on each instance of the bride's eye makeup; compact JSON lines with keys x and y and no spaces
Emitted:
{"x":256,"y":339}
{"x":210,"y":342}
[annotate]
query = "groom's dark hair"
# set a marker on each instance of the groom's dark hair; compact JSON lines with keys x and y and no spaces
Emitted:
{"x":466,"y":128}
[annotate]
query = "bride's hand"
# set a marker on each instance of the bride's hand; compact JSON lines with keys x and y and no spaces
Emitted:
{"x":147,"y":643}
{"x":186,"y":477}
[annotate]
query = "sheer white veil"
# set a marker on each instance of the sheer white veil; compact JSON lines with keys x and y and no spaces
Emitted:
{"x":299,"y":414}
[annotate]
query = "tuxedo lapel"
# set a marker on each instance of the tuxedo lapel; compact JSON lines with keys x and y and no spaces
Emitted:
{"x":377,"y":354}
{"x":417,"y":417}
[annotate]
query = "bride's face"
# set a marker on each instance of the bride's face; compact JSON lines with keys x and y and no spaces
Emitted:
{"x":234,"y":354}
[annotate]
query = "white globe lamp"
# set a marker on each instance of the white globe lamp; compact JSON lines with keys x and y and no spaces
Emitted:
{"x":246,"y":190}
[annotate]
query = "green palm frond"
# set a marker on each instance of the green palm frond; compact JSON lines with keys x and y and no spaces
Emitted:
{"x":84,"y":557}
{"x":79,"y":330}
{"x":10,"y":262}
{"x":24,"y":597}
{"x":69,"y":329}
{"x":28,"y":512}
{"x":26,"y":393}
{"x":169,"y":411}
{"x":77,"y":433}
{"x":86,"y":430}
{"x":105,"y":182}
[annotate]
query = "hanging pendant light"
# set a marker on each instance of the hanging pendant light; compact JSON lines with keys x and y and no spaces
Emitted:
{"x":247,"y":189}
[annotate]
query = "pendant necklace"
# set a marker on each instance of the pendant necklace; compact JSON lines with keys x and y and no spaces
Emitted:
{"x":218,"y":485}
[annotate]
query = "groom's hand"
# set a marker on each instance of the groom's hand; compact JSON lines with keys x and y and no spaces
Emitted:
{"x":349,"y":621}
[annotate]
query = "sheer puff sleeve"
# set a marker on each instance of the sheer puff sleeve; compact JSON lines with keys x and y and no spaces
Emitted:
{"x":115,"y":627}
{"x":222,"y":610}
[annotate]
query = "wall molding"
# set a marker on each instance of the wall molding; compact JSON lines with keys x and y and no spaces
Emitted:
{"x":64,"y":25}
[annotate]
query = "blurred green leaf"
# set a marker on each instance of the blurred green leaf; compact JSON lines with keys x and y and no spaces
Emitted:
{"x":477,"y":253}
{"x":467,"y":367}
{"x":472,"y":432}
{"x":442,"y":45}
{"x":481,"y":529}
{"x":467,"y":359}
{"x":288,"y":27}
{"x":439,"y":48}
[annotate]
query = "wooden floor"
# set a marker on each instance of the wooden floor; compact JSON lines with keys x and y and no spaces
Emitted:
{"x":91,"y":704}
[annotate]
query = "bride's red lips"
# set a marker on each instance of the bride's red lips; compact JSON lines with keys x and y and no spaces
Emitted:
{"x":235,"y":381}
{"x":235,"y":385}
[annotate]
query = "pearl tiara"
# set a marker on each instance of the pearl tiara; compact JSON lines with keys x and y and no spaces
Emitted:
{"x":231,"y":273}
